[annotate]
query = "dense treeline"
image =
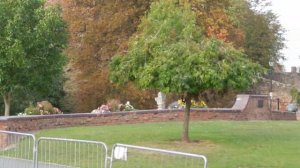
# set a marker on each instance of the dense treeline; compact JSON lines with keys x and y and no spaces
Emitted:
{"x":32,"y":41}
{"x":99,"y":29}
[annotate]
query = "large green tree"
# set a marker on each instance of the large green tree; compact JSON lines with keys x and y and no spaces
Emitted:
{"x":170,"y":53}
{"x":32,"y":39}
{"x":263,"y":32}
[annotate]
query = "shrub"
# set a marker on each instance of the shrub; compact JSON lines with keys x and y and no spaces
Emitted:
{"x":31,"y":110}
{"x":114,"y":105}
{"x":195,"y":104}
{"x":42,"y":108}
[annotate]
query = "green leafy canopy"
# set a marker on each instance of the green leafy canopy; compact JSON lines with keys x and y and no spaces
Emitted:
{"x":32,"y":40}
{"x":170,"y":53}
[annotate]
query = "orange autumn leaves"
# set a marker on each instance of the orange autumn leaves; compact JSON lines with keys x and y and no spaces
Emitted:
{"x":213,"y":17}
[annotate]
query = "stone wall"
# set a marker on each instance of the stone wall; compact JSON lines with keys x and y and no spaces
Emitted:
{"x":258,"y":108}
{"x":247,"y":107}
{"x":282,"y":83}
{"x":34,"y":123}
{"x":280,"y":91}
{"x":285,"y":116}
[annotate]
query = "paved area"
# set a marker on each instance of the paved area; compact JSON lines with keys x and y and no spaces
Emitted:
{"x":6,"y":162}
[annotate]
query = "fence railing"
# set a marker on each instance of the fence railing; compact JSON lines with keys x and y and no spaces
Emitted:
{"x":128,"y":156}
{"x":20,"y":150}
{"x":71,"y":153}
{"x":17,"y":150}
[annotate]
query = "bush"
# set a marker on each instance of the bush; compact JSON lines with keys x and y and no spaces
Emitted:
{"x":42,"y":108}
{"x":114,"y":105}
{"x":195,"y":104}
{"x":31,"y":111}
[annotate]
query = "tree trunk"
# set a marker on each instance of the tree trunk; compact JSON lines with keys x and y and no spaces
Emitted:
{"x":7,"y":102}
{"x":185,"y":130}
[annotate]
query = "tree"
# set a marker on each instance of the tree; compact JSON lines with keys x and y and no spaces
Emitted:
{"x":32,"y":39}
{"x":247,"y":25}
{"x":263,"y":33}
{"x":215,"y":17}
{"x":98,"y":30}
{"x":170,"y":53}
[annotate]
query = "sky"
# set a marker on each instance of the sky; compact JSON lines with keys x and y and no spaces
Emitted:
{"x":288,"y":12}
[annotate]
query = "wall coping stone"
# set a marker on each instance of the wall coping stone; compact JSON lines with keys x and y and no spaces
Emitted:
{"x":259,"y":96}
{"x":137,"y":112}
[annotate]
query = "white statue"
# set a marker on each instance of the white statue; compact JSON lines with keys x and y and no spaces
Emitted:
{"x":161,"y":101}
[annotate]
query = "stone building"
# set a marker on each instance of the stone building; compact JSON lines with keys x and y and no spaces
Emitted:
{"x":279,"y":89}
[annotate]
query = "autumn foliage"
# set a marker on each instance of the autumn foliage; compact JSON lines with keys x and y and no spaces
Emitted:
{"x":214,"y":18}
{"x":100,"y":29}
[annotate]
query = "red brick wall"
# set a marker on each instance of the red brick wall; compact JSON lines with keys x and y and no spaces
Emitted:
{"x":33,"y":123}
{"x":285,"y":116}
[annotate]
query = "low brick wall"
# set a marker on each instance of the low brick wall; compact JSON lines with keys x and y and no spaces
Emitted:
{"x":248,"y":107}
{"x":33,"y":123}
{"x":285,"y":116}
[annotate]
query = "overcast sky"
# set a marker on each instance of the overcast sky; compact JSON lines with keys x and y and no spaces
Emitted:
{"x":288,"y":12}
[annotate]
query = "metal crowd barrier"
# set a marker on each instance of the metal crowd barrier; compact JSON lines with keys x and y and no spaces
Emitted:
{"x":20,"y":150}
{"x":17,"y":150}
{"x":59,"y":152}
{"x":128,"y":156}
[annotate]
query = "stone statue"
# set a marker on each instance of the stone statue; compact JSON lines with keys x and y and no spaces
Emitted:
{"x":161,"y":101}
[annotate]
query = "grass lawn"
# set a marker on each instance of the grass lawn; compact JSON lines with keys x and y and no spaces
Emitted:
{"x":227,"y":144}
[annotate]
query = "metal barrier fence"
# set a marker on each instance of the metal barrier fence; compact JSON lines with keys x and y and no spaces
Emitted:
{"x":128,"y":156}
{"x":20,"y":150}
{"x":17,"y":150}
{"x":62,"y":153}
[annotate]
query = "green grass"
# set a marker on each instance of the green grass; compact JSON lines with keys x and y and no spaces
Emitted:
{"x":227,"y":144}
